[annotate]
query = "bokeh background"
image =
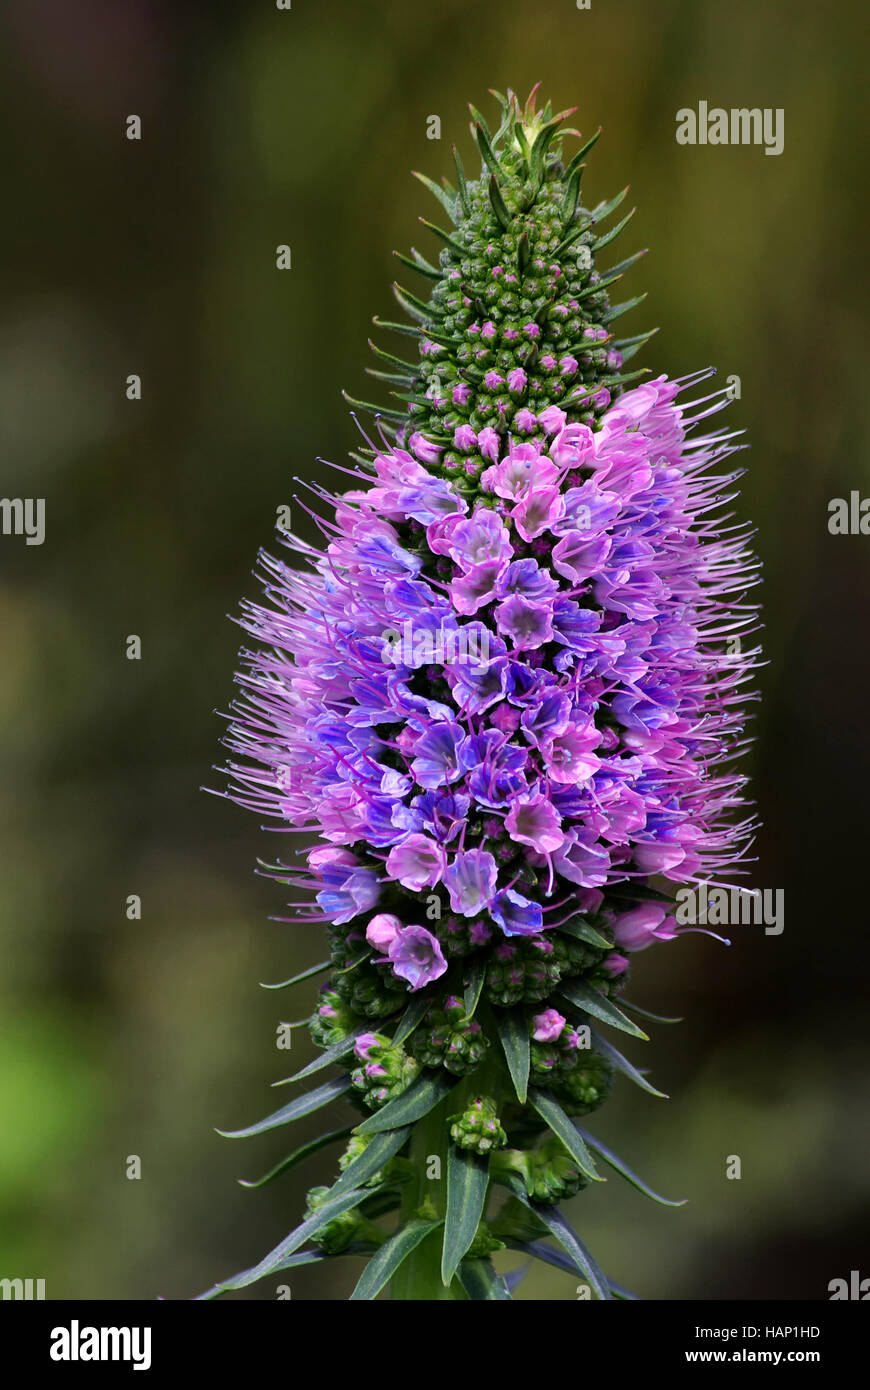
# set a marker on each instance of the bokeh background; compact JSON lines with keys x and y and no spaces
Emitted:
{"x":157,"y":257}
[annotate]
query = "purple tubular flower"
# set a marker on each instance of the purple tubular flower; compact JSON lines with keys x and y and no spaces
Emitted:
{"x":416,"y":956}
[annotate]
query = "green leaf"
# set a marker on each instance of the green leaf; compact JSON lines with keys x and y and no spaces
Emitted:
{"x":381,"y":1149}
{"x":574,"y":1248}
{"x":605,"y":240}
{"x":605,"y":209}
{"x":498,"y":204}
{"x":461,"y":183}
{"x":279,"y":1257}
{"x":474,"y":978}
{"x":481,"y":135}
{"x":592,"y":1001}
{"x":583,"y":932}
{"x":623,"y":1169}
{"x":414,"y":1014}
{"x":332,"y":1054}
{"x":617,"y":310}
{"x":552,"y":1112}
{"x":448,"y":203}
{"x":584,"y":150}
{"x":400,"y":416}
{"x":383,"y":1265}
{"x":622,"y":1064}
{"x":552,"y":1220}
{"x":416,"y":1100}
{"x":413,"y":307}
{"x":645,"y":1013}
{"x":298,"y":1156}
{"x":559,"y":1260}
{"x":456,"y":247}
{"x":481,"y":1283}
{"x":513,"y":1032}
{"x":297,"y":979}
{"x":629,"y":346}
{"x":303,"y":1105}
{"x":417,"y":262}
{"x":467,"y":1183}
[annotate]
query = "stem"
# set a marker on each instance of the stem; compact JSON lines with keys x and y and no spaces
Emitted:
{"x":419,"y":1276}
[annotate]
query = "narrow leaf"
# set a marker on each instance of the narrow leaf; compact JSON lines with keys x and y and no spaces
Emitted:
{"x":592,"y":1001}
{"x":645,"y":1013}
{"x":481,"y":1283}
{"x":584,"y":150}
{"x":383,"y":1265}
{"x":461,"y":183}
{"x":474,"y":978}
{"x":448,"y":203}
{"x":298,"y":1156}
{"x":552,"y":1112}
{"x":414,"y":1014}
{"x":467,"y":1183}
{"x":513,"y":1032}
{"x":486,"y":150}
{"x":332,"y":1054}
{"x":373,"y":1157}
{"x":417,"y":1100}
{"x":623,"y":1169}
{"x":276,"y":1258}
{"x":583,"y":932}
{"x":297,"y":979}
{"x":622,"y":1064}
{"x":610,"y":236}
{"x":574,"y":1247}
{"x":499,"y":206}
{"x":303,"y":1105}
{"x":617,"y":310}
{"x":605,"y":209}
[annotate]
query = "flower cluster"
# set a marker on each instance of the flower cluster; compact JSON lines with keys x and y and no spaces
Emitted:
{"x":503,"y":697}
{"x":586,"y":751}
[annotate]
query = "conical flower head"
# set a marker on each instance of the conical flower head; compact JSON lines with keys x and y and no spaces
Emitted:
{"x":509,"y":687}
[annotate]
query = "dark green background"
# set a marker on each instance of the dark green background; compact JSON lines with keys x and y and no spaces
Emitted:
{"x":158,"y":258}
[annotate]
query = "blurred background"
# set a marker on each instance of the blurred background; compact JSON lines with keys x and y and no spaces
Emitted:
{"x":156,"y":257}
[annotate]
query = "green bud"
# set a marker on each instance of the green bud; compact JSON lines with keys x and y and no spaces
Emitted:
{"x":477,"y":1128}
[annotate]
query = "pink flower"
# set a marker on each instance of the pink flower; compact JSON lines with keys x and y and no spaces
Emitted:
{"x":548,"y":1025}
{"x":552,"y":420}
{"x":642,"y":925}
{"x":381,"y":931}
{"x":426,"y":451}
{"x":533,"y":820}
{"x":614,"y":964}
{"x":417,"y":862}
{"x":537,"y":512}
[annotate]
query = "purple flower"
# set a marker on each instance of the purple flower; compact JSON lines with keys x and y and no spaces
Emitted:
{"x":416,"y":956}
{"x":516,"y":915}
{"x":417,"y":862}
{"x":533,"y":820}
{"x":435,"y":763}
{"x":470,"y":881}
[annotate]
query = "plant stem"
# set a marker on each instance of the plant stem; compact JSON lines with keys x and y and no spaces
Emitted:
{"x":419,"y":1276}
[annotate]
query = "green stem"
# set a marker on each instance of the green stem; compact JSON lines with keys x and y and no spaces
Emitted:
{"x":419,"y":1276}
